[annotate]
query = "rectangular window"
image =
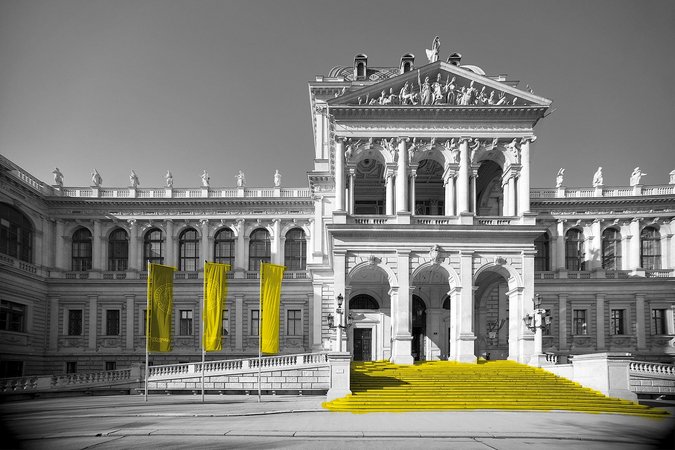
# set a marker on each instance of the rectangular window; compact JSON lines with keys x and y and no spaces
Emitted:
{"x":71,"y":366}
{"x":226,"y":323}
{"x":255,"y":322}
{"x":659,"y":322}
{"x":112,"y":322}
{"x":12,"y":316}
{"x":186,"y":322}
{"x":579,"y":322}
{"x":616,"y":322}
{"x":110,"y":365}
{"x":74,"y":322}
{"x":294,"y":322}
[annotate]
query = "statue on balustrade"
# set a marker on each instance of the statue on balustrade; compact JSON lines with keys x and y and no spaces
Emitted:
{"x":133,"y":179}
{"x":559,"y":178}
{"x":58,"y":177}
{"x":597,"y":178}
{"x":241,"y":179}
{"x":432,"y":54}
{"x":169,"y":179}
{"x":96,"y":178}
{"x":277,"y":178}
{"x":635,"y":176}
{"x":205,"y":178}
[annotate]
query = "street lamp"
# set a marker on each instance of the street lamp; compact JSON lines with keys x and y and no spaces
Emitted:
{"x":339,"y":326}
{"x":537,"y":323}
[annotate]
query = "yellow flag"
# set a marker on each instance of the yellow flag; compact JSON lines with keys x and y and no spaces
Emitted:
{"x":271,"y":276}
{"x":160,"y":307}
{"x":215,"y":291}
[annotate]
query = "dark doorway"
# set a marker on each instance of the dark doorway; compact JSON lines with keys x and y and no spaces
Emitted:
{"x":363,"y":344}
{"x":419,"y":328}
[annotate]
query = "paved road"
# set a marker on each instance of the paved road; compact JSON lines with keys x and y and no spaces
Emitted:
{"x":117,"y":422}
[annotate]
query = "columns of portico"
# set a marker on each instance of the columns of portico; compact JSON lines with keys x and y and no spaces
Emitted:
{"x":134,"y":257}
{"x":461,"y":313}
{"x":594,"y":258}
{"x":413,"y":176}
{"x":170,"y":260}
{"x":402,"y":176}
{"x":97,"y":248}
{"x":339,"y":174}
{"x":401,"y":345}
{"x":505,"y":195}
{"x":560,"y":245}
{"x":276,"y":242}
{"x":463,"y":177}
{"x":449,"y":185}
{"x":205,"y":243}
{"x":634,"y":244}
{"x":240,"y":259}
{"x":389,"y":179}
{"x":524,"y":178}
{"x":352,"y":175}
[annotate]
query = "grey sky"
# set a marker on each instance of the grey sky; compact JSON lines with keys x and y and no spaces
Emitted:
{"x":222,"y":85}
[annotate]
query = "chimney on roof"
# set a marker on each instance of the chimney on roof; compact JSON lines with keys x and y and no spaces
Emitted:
{"x":361,"y":67}
{"x":407,"y":62}
{"x":454,"y":59}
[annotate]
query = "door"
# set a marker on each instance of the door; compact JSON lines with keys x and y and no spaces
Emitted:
{"x":363,"y":342}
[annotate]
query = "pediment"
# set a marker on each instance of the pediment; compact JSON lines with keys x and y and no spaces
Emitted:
{"x":440,"y":84}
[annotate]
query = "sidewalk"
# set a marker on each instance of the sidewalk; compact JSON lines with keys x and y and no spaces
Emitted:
{"x":300,"y":422}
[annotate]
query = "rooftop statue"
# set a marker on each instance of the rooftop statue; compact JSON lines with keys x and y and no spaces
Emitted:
{"x":432,"y":54}
{"x":58,"y":177}
{"x":169,"y":179}
{"x":241,"y":179}
{"x":277,"y":178}
{"x":559,"y":178}
{"x":96,"y":178}
{"x":205,"y":179}
{"x":597,"y":178}
{"x":635,"y":176}
{"x":133,"y":179}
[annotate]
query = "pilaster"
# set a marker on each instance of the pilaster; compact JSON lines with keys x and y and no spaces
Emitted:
{"x":129,"y":341}
{"x":600,"y":320}
{"x":339,"y":174}
{"x":315,"y":309}
{"x":97,"y":248}
{"x":463,"y":177}
{"x":239,"y":322}
{"x":524,"y":179}
{"x":93,"y":322}
{"x":464,"y":311}
{"x":640,"y":326}
{"x":53,"y":323}
{"x":170,"y":244}
{"x":401,"y":352}
{"x":134,"y":257}
{"x":402,"y":176}
{"x":562,"y":321}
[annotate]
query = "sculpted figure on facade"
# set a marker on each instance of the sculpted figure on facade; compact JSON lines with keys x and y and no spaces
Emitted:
{"x":58,"y":177}
{"x":133,"y":179}
{"x":437,"y":91}
{"x":672,"y":177}
{"x":512,"y":147}
{"x":277,"y":178}
{"x":432,"y":54}
{"x":168,"y":178}
{"x":96,"y":178}
{"x":425,"y":92}
{"x":205,"y":178}
{"x":474,"y":149}
{"x":450,"y":89}
{"x":597,"y":178}
{"x":241,"y":179}
{"x":435,"y":254}
{"x":392,"y":98}
{"x":635,"y":176}
{"x":406,"y":96}
{"x":559,"y":178}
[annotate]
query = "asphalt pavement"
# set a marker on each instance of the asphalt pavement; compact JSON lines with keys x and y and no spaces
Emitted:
{"x":183,"y":421}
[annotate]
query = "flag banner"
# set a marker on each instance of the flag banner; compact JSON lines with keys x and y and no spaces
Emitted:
{"x":215,"y":291}
{"x":160,"y":308}
{"x":271,"y":276}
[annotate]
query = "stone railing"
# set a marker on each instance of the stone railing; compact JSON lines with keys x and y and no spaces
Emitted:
{"x":620,"y":191}
{"x":372,"y":220}
{"x":73,"y":381}
{"x":22,"y":265}
{"x":231,"y":366}
{"x":649,"y":369}
{"x":181,"y":193}
{"x":647,"y":378}
{"x":496,"y":220}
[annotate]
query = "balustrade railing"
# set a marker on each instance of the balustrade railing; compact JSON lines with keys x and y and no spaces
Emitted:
{"x":116,"y":192}
{"x":643,"y":368}
{"x":68,"y":381}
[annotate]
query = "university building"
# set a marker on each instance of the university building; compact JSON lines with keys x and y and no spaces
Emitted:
{"x":418,"y":213}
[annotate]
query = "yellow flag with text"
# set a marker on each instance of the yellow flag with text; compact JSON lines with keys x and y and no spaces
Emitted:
{"x":160,"y":307}
{"x":271,"y":276}
{"x":215,"y":291}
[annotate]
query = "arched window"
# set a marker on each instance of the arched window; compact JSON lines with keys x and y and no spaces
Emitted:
{"x":16,"y":234}
{"x":81,"y":254}
{"x":188,"y":250}
{"x":295,"y":250}
{"x":542,"y":260}
{"x":363,"y":301}
{"x":446,"y":302}
{"x":611,"y":249}
{"x":259,"y":249}
{"x":153,"y":246}
{"x":574,"y":250}
{"x":650,"y":248}
{"x":118,"y":250}
{"x":223,"y":243}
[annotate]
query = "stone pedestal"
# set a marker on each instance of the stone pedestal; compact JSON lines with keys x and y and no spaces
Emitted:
{"x":339,"y":375}
{"x":605,"y":372}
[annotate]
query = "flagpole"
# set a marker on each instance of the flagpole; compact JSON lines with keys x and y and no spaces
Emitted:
{"x":147,"y":331}
{"x":203,"y":323}
{"x":260,"y":315}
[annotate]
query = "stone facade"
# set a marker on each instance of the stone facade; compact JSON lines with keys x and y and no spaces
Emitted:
{"x":419,"y":211}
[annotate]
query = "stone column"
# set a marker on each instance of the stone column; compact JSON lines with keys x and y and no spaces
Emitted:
{"x":169,"y":260}
{"x":600,"y":320}
{"x":413,"y":176}
{"x":560,"y":245}
{"x":389,"y":180}
{"x":526,"y":349}
{"x":511,"y":209}
{"x":339,"y":287}
{"x":317,"y":228}
{"x":595,"y":256}
{"x":276,"y":242}
{"x":562,"y":321}
{"x":472,"y":193}
{"x":640,"y":326}
{"x":134,"y":257}
{"x":97,"y":248}
{"x":129,"y":343}
{"x":315,"y":312}
{"x":93,"y":322}
{"x":463,"y":316}
{"x":463,"y":177}
{"x":54,"y":323}
{"x":239,"y":322}
{"x":339,"y":174}
{"x":524,"y":179}
{"x":449,"y":184}
{"x":634,"y":244}
{"x":60,"y":245}
{"x":505,"y":195}
{"x":667,"y":243}
{"x":402,"y":176}
{"x":401,"y":305}
{"x":240,"y":259}
{"x":204,"y":252}
{"x":352,"y":174}
{"x":503,"y":313}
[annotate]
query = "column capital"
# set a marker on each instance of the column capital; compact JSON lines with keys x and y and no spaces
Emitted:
{"x":400,"y":139}
{"x":528,"y":139}
{"x":340,"y":139}
{"x":132,"y":222}
{"x":464,"y":139}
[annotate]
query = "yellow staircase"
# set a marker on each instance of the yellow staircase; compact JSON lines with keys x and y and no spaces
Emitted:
{"x":442,"y":385}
